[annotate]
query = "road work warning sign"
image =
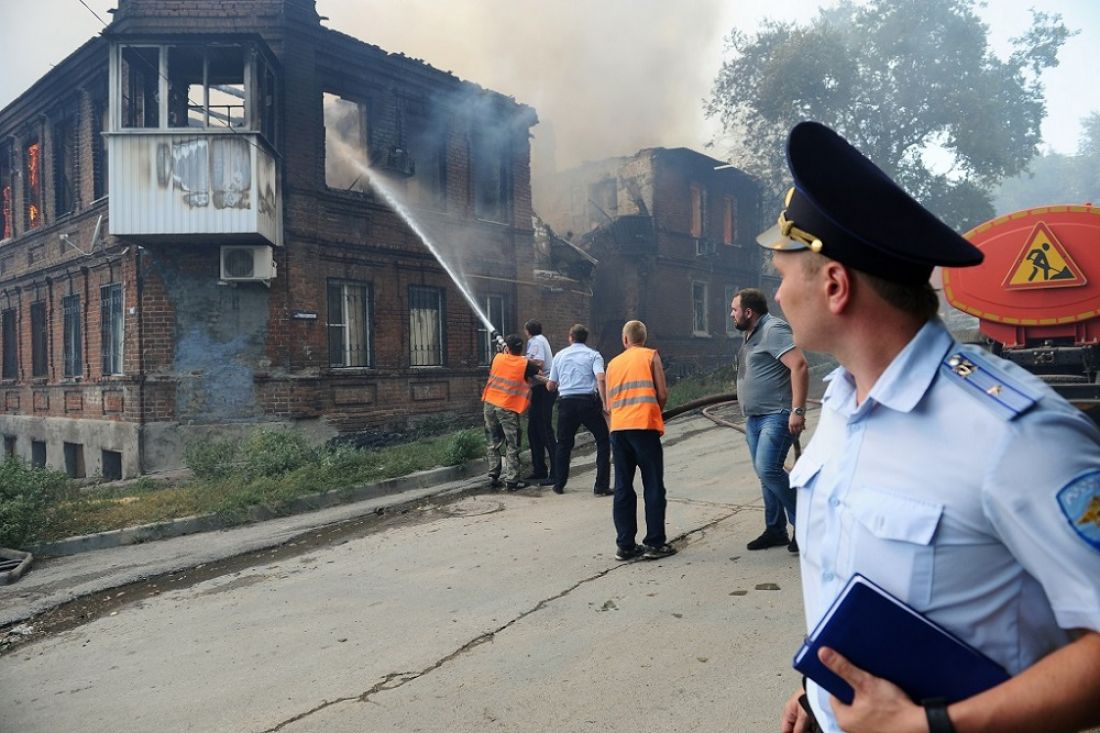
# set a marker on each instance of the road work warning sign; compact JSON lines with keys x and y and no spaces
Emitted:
{"x":1043,"y":263}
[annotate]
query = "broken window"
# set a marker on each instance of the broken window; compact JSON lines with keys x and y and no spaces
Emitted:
{"x":267,"y":102}
{"x":604,"y":197}
{"x":494,"y":309}
{"x":347,"y":140}
{"x":349,"y":324}
{"x":65,"y":180}
{"x":206,"y":86}
{"x":32,"y":190}
{"x":427,"y":143}
{"x":729,"y":216}
{"x":699,"y":309}
{"x":6,"y":193}
{"x":111,"y":327}
{"x":425,"y":326}
{"x":698,"y":211}
{"x":491,"y":162}
{"x":71,"y":347}
{"x":9,"y":345}
{"x":140,"y":86}
{"x":100,"y":123}
{"x":39,"y":340}
{"x":74,"y":459}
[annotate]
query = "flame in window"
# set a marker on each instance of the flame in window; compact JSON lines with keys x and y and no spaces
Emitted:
{"x":33,"y":179}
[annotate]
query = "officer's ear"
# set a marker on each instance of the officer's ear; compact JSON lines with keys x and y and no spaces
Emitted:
{"x":837,"y":281}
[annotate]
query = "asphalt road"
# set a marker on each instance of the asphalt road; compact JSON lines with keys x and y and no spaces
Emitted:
{"x":495,"y":612}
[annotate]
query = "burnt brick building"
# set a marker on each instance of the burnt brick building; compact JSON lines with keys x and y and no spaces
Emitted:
{"x":196,"y":236}
{"x":673,"y":231}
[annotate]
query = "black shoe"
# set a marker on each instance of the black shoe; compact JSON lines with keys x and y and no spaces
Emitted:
{"x":602,"y":492}
{"x":793,"y":547}
{"x":495,"y":482}
{"x":547,"y":481}
{"x":656,"y":553}
{"x":559,"y":489}
{"x":535,"y":477}
{"x":768,"y":539}
{"x":629,"y":553}
{"x":517,"y":485}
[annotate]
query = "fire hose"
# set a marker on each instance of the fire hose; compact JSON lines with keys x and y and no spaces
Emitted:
{"x":711,"y":401}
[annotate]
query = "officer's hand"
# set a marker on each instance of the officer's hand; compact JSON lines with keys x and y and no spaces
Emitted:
{"x":879,"y":706}
{"x":794,"y":718}
{"x":796,"y":424}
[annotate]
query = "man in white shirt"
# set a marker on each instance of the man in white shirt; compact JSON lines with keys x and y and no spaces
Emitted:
{"x":540,"y":431}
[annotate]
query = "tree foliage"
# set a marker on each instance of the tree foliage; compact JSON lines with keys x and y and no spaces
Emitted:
{"x":913,"y":85}
{"x":1054,"y":178}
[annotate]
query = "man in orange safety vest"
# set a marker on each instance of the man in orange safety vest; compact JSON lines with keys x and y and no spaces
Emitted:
{"x":506,"y":397}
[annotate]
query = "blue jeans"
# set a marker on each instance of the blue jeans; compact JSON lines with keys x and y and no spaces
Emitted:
{"x":638,"y":450}
{"x":769,"y":438}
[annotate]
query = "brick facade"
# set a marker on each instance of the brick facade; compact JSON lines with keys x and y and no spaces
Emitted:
{"x":200,"y":354}
{"x":656,"y":242}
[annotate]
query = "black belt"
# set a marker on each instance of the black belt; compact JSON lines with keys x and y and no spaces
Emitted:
{"x":581,"y":397}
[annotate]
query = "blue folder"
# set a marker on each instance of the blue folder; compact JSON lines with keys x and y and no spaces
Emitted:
{"x":880,"y":634}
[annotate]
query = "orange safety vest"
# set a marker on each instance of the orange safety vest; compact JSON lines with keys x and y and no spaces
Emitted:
{"x":506,"y":387}
{"x":632,"y":392}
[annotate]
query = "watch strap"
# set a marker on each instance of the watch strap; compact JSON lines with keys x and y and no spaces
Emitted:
{"x":935,"y":710}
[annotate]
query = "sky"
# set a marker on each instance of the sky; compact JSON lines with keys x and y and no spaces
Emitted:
{"x":606,"y":78}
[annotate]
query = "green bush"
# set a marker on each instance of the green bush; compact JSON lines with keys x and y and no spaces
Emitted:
{"x":274,"y":453}
{"x":210,"y":459}
{"x":464,"y":446}
{"x":30,"y":500}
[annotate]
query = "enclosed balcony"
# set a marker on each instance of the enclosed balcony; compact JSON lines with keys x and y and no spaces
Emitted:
{"x":189,"y":144}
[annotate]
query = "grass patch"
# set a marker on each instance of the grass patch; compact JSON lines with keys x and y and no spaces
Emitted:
{"x":266,"y":469}
{"x":700,"y":385}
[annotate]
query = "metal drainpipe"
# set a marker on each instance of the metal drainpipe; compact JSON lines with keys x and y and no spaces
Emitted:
{"x":141,"y":360}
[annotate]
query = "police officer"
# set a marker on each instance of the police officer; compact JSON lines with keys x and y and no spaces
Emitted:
{"x":577,"y":375}
{"x":955,"y":480}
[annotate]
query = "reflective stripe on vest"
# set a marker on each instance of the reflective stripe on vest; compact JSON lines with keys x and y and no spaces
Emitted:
{"x":632,"y":393}
{"x":506,"y":387}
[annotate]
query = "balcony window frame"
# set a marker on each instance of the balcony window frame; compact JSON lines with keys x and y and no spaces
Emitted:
{"x":254,"y":64}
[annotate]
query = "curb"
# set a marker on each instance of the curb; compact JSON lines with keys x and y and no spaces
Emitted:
{"x":212,"y":522}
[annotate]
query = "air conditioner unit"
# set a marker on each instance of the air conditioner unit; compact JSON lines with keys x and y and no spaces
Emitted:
{"x":247,"y":263}
{"x":394,"y":160}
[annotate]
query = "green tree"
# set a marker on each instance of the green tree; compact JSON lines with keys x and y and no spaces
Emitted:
{"x":912,"y":84}
{"x":1054,"y":178}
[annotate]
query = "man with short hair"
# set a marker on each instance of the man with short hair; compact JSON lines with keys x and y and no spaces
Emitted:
{"x":505,"y":397}
{"x":540,"y":430}
{"x":772,"y":381}
{"x":637,"y":389}
{"x":577,"y":375}
{"x":951,"y":478}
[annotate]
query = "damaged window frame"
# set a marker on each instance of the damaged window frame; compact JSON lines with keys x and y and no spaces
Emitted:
{"x":729,"y":221}
{"x":100,"y":123}
{"x":347,"y":181}
{"x":491,"y":171}
{"x":423,"y":133}
{"x":65,"y":133}
{"x":33,"y":182}
{"x":135,"y":76}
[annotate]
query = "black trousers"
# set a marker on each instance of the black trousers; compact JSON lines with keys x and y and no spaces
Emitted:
{"x":572,"y":413}
{"x":638,"y":450}
{"x":540,"y":431}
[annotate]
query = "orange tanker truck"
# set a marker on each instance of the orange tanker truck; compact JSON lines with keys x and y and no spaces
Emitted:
{"x":1037,"y":294}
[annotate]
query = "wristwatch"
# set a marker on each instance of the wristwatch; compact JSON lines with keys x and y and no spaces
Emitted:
{"x":800,"y":411}
{"x":935,"y":711}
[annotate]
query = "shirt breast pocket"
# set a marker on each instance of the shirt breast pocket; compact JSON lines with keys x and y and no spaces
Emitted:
{"x":891,"y":542}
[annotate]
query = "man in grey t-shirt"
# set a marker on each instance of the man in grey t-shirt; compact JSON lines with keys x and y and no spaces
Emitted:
{"x":772,"y":381}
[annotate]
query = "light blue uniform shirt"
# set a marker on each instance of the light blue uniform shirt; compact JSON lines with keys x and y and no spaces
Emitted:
{"x":575,"y":369}
{"x":968,"y":512}
{"x":539,"y":348}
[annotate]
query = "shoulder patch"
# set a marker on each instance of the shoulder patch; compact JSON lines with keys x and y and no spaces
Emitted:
{"x":983,"y":379}
{"x":1079,"y":501}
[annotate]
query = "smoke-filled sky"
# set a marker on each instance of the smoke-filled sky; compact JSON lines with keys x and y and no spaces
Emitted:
{"x":606,"y":77}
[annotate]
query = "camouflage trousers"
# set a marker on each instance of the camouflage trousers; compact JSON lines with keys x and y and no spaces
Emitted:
{"x":502,"y":441}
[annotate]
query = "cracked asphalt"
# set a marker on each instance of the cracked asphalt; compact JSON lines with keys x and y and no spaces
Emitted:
{"x":471,"y":612}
